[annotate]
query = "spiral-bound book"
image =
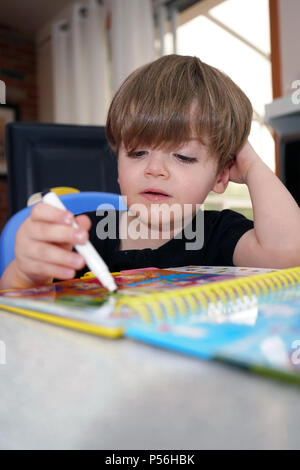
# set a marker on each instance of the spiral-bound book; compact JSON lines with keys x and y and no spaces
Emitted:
{"x":246,"y":316}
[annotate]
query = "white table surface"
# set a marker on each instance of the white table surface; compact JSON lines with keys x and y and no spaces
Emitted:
{"x":62,"y":389}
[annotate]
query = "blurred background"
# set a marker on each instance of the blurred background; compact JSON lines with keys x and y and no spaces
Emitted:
{"x":62,"y":61}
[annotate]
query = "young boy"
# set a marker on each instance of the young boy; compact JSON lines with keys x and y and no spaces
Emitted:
{"x":179,"y":128}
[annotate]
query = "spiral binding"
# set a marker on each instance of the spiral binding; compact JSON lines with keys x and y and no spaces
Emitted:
{"x":221,"y":295}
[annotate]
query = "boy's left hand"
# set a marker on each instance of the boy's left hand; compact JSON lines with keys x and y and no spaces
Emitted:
{"x":245,"y":159}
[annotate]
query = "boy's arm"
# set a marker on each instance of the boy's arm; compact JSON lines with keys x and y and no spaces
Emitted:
{"x":275,"y":240}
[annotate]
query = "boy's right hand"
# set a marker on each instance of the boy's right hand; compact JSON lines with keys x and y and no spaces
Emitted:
{"x":43,"y":247}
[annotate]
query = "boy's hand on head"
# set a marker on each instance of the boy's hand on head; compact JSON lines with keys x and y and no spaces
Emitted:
{"x":43,"y":248}
{"x":245,"y":159}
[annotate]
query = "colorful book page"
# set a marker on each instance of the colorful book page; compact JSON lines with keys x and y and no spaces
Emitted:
{"x":78,"y":298}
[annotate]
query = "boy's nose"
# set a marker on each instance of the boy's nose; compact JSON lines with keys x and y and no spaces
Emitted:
{"x":156,"y":166}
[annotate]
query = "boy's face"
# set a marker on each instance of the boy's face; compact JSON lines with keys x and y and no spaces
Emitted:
{"x":183,"y":177}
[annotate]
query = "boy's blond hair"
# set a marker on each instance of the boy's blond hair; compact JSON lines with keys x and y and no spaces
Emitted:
{"x":175,"y":98}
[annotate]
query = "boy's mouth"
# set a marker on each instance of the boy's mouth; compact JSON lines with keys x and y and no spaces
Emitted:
{"x":155,"y":194}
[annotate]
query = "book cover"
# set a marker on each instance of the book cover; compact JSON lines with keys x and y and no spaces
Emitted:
{"x":87,"y":301}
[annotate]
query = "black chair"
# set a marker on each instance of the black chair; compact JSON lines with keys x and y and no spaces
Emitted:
{"x":41,"y":156}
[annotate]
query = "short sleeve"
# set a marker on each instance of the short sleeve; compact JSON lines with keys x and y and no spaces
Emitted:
{"x":222,"y":231}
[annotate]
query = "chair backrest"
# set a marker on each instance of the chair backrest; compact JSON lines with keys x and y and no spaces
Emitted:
{"x":41,"y":156}
{"x":75,"y":202}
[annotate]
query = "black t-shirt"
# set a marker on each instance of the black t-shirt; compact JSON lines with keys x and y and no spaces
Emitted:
{"x":222,"y":231}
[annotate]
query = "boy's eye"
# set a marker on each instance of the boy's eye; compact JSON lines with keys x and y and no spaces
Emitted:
{"x":136,"y":153}
{"x":185,"y":159}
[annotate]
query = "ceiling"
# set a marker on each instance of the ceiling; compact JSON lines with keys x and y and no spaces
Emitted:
{"x":29,"y":15}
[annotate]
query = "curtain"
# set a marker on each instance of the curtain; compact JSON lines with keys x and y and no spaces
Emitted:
{"x":80,"y":64}
{"x":62,"y":68}
{"x":91,"y":60}
{"x":132,"y":37}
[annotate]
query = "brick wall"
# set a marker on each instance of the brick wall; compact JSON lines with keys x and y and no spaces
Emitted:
{"x":18,"y":71}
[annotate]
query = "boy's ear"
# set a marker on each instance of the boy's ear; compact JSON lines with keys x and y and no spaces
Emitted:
{"x":222,"y":180}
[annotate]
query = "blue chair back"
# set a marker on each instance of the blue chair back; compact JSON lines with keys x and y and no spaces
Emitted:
{"x":75,"y":202}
